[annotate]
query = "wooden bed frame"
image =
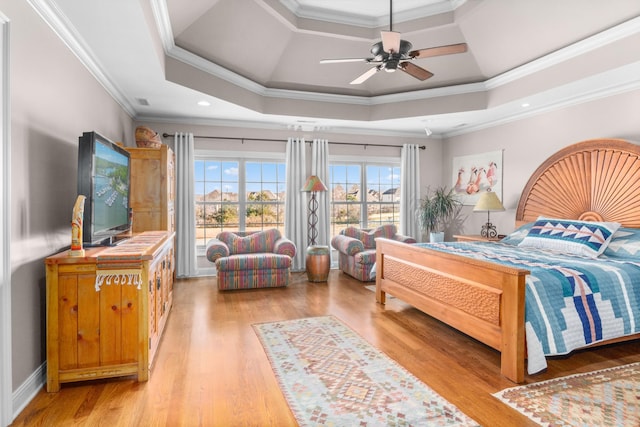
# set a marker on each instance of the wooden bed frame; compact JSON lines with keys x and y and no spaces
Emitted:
{"x":592,"y":180}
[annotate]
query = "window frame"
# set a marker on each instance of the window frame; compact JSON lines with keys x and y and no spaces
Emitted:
{"x":393,"y":163}
{"x":242,"y":159}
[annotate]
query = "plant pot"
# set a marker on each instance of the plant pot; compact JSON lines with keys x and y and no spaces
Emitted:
{"x":436,"y":236}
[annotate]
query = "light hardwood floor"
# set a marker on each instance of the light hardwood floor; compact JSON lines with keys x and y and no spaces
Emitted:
{"x":211,"y":369}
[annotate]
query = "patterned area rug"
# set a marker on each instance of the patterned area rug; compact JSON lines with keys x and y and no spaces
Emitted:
{"x":330,"y":376}
{"x":610,"y":397}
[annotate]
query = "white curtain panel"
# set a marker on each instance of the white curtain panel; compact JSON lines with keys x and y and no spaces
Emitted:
{"x":410,"y":191}
{"x":185,"y":205}
{"x":320,"y":168}
{"x":295,"y":224}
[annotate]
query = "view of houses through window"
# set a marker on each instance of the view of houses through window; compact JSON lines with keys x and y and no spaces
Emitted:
{"x":364,"y":195}
{"x":249,"y":195}
{"x":238,"y":195}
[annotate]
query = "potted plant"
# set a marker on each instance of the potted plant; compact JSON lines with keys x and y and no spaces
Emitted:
{"x":436,"y":210}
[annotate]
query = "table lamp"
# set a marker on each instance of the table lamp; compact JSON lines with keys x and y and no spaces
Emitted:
{"x":489,"y":202}
{"x":313,"y":185}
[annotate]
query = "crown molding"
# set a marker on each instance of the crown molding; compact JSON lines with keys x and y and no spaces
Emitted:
{"x":368,"y":21}
{"x":611,"y":35}
{"x":53,"y":16}
{"x":615,"y":82}
{"x":581,"y":47}
{"x":278,"y":126}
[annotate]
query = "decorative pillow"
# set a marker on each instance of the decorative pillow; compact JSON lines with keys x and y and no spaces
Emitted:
{"x":365,"y":236}
{"x":260,"y":241}
{"x":584,"y":238}
{"x":387,"y":231}
{"x":368,"y":237}
{"x":624,"y":244}
{"x":516,"y":236}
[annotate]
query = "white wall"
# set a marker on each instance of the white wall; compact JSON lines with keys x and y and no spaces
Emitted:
{"x":53,"y":100}
{"x":529,"y":142}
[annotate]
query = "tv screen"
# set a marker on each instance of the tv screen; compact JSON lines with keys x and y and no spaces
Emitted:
{"x":103,"y":178}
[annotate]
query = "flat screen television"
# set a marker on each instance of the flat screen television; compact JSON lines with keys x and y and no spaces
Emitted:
{"x":104,"y":179}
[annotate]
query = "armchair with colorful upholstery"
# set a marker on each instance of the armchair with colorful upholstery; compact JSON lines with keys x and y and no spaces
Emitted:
{"x":357,"y":249}
{"x":247,"y":260}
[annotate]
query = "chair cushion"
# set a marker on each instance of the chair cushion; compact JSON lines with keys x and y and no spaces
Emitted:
{"x":259,"y":261}
{"x":260,"y":241}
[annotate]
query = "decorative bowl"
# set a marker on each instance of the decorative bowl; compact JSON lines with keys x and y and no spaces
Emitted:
{"x":147,"y":138}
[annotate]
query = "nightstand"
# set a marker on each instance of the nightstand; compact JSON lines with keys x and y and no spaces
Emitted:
{"x":475,"y":238}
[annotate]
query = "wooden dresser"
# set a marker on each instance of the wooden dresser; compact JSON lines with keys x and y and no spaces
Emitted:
{"x":106,"y":311}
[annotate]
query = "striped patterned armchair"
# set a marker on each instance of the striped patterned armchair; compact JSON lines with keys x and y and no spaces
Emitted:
{"x":260,"y":259}
{"x":357,"y":249}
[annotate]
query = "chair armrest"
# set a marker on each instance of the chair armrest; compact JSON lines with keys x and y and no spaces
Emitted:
{"x":404,"y":239}
{"x":284,"y":246}
{"x":216,"y":249}
{"x":347,"y":245}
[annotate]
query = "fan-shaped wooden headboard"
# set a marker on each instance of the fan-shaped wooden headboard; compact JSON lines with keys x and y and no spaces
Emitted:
{"x":594,"y":180}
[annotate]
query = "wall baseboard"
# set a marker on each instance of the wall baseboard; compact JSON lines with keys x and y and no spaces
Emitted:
{"x":28,"y":389}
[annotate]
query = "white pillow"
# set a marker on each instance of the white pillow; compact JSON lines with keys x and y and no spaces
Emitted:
{"x":583,"y":238}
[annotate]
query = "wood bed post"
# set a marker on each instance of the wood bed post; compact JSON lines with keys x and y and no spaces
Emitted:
{"x":381,"y":297}
{"x":513,"y":331}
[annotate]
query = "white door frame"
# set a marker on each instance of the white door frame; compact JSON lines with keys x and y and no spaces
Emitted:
{"x":6,"y":388}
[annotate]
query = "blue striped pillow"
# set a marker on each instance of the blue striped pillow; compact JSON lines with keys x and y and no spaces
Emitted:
{"x":583,"y":238}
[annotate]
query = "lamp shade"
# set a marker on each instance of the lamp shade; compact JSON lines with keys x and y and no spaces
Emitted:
{"x":488,"y":201}
{"x":314,"y":184}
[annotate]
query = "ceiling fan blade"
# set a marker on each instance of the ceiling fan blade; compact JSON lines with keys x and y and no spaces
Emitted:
{"x":437,"y":51}
{"x":365,"y":76}
{"x":335,"y":61}
{"x":390,"y":41}
{"x":415,"y":71}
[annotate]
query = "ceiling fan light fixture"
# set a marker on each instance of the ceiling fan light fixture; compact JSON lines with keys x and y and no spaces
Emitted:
{"x":391,"y":66}
{"x":392,"y":53}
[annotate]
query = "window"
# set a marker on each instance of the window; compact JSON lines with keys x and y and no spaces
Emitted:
{"x":364,"y":187}
{"x":238,"y":195}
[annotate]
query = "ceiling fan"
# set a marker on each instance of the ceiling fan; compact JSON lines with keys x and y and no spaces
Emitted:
{"x":392,"y":54}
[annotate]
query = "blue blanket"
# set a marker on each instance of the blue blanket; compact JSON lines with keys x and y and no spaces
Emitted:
{"x":571,"y":301}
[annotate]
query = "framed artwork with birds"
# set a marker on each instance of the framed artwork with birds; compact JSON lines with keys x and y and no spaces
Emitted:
{"x":477,"y":173}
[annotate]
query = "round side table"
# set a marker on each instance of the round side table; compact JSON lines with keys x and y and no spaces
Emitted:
{"x":318,"y":263}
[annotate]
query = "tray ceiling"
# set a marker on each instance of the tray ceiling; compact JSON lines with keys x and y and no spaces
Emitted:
{"x":257,"y":61}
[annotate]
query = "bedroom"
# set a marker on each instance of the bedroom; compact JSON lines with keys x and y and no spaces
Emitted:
{"x":51,"y":93}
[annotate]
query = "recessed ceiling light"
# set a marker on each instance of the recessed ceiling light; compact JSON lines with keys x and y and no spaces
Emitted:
{"x":204,"y":103}
{"x":525,"y":104}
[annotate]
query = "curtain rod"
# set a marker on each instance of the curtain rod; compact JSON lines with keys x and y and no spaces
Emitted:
{"x":422,"y":147}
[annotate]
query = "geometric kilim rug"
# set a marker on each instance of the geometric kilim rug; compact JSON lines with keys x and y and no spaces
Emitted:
{"x":331,"y":376}
{"x":610,"y":397}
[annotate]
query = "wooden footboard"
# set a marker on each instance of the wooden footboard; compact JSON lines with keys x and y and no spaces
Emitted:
{"x":481,"y":299}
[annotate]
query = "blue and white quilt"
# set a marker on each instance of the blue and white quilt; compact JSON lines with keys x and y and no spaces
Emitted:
{"x":571,"y":301}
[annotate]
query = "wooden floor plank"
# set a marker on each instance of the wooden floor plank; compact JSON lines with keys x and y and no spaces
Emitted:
{"x":211,"y":369}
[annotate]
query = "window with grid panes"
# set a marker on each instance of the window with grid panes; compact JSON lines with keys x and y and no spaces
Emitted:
{"x":364,"y":194}
{"x":238,"y":195}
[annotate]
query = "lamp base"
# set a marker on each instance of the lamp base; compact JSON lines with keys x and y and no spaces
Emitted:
{"x":489,"y":231}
